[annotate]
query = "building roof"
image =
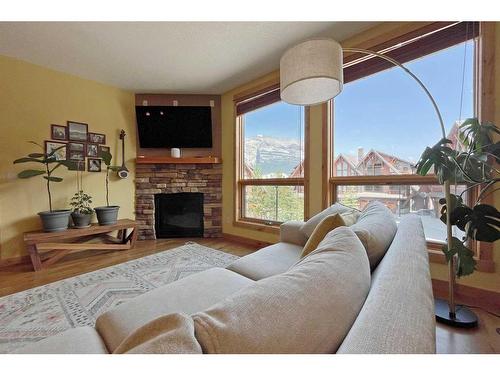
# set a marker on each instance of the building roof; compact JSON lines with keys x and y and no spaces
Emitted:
{"x":387,"y":159}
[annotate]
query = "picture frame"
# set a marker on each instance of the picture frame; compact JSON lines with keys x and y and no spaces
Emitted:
{"x":60,"y":154}
{"x":92,"y":150}
{"x":58,"y":132}
{"x":76,"y":165}
{"x":76,"y":151}
{"x":76,"y":156}
{"x":98,"y":138}
{"x":77,"y":131}
{"x":94,"y":165}
{"x":76,"y":146}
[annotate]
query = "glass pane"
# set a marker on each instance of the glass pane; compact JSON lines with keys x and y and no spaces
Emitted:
{"x":422,"y":200}
{"x":274,"y":141}
{"x":383,"y":122}
{"x":274,"y":203}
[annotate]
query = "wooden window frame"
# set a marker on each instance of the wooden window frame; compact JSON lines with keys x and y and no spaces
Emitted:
{"x":242,"y":103}
{"x":483,"y":103}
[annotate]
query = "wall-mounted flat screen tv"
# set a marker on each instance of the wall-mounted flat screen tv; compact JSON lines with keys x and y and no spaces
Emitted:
{"x":174,"y":126}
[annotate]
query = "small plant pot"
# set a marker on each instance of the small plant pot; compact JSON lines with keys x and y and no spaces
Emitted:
{"x":107,"y":215}
{"x":55,"y":221}
{"x":81,"y":220}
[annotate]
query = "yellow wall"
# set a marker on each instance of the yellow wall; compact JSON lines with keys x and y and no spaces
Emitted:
{"x":489,"y":281}
{"x":31,"y":99}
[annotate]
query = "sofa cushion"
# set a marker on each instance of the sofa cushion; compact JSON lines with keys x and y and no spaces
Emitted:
{"x":308,"y":227}
{"x":375,"y":228}
{"x":188,"y":295}
{"x":81,"y":340}
{"x":268,"y":261}
{"x":168,"y":334}
{"x":290,"y":232}
{"x":326,"y":225}
{"x":398,"y":315}
{"x":308,"y":309}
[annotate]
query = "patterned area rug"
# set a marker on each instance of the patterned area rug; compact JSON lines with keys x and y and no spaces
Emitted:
{"x":37,"y":313}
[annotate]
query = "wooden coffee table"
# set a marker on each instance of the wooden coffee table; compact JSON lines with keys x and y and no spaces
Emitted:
{"x":55,"y":245}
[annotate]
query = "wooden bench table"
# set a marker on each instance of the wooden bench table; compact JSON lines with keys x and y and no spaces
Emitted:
{"x":59,"y":244}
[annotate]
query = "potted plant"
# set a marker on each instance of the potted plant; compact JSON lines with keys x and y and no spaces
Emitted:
{"x":82,"y":212}
{"x":107,"y":215}
{"x":52,"y":220}
{"x":473,"y":163}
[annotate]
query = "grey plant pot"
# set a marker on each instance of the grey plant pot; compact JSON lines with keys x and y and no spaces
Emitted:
{"x":107,"y":215}
{"x":55,"y":221}
{"x":81,"y":220}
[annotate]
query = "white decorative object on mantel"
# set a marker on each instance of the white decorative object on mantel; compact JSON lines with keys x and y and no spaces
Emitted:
{"x":175,"y":152}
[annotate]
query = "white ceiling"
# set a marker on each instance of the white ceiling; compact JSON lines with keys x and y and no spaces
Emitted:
{"x":174,"y":57}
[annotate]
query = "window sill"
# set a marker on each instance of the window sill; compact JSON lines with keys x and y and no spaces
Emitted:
{"x":260,"y":226}
{"x":437,"y":256}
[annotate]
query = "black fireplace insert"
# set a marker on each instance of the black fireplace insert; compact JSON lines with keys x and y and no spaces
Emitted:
{"x":179,"y":215}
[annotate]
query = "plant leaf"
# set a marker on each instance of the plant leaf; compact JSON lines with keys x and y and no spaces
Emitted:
{"x":66,"y":163}
{"x":494,"y":149}
{"x":440,"y":156}
{"x":476,"y":168}
{"x":481,"y":223}
{"x":38,"y":144}
{"x":476,"y":134}
{"x":36,"y":155}
{"x":466,"y":264}
{"x":106,"y":157}
{"x":27,"y":160}
{"x":456,"y":201}
{"x":53,"y":179}
{"x":30,"y":173}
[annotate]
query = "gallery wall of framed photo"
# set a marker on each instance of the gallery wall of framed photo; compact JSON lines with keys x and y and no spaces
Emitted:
{"x":75,"y":143}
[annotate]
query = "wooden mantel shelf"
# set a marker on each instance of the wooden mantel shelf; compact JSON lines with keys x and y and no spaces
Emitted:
{"x":170,"y":160}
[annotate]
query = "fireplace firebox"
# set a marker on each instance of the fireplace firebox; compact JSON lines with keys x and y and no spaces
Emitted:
{"x":179,"y":215}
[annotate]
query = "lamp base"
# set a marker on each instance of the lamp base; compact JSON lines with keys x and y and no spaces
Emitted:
{"x":464,"y":317}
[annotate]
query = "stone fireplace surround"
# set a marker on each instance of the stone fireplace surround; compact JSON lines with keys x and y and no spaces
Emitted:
{"x":167,"y":178}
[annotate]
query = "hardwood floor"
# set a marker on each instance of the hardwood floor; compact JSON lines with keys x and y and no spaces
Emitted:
{"x":481,"y":340}
{"x":484,"y":339}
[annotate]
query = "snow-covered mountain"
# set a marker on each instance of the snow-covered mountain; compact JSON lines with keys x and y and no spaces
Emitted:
{"x":273,"y":155}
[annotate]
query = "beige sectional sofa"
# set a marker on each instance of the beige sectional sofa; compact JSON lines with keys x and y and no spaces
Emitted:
{"x":365,"y":289}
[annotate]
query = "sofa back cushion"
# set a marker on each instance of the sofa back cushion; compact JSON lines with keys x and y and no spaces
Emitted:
{"x":308,"y":227}
{"x":308,"y":309}
{"x":376,"y":228}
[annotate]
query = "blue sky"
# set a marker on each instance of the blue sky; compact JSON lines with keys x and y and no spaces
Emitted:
{"x":386,"y":111}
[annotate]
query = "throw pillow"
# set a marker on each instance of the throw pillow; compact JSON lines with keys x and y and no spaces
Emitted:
{"x":326,"y":225}
{"x":308,"y":227}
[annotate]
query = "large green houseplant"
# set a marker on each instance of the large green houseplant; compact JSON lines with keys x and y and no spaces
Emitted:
{"x":472,"y":162}
{"x":52,"y":220}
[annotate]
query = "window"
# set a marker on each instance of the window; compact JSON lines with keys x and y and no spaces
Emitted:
{"x":270,"y":160}
{"x":383,"y":121}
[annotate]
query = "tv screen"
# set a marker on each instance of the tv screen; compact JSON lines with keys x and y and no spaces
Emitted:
{"x":181,"y":127}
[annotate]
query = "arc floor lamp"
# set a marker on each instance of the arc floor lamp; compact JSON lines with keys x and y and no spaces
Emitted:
{"x":311,"y":73}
